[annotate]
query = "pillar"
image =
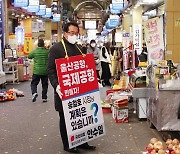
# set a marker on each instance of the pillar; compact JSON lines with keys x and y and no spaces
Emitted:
{"x":59,"y":27}
{"x":6,"y":22}
{"x":48,"y":24}
{"x":172,"y":29}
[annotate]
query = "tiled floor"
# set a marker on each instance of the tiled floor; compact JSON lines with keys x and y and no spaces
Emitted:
{"x":32,"y":128}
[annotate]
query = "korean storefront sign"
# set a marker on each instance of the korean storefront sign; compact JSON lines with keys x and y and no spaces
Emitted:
{"x":137,"y":36}
{"x":27,"y":43}
{"x":42,"y":10}
{"x":33,"y":6}
{"x":154,"y":39}
{"x":56,"y":17}
{"x":48,"y":13}
{"x":81,"y":100}
{"x":2,"y":25}
{"x":117,"y":4}
{"x":21,"y":3}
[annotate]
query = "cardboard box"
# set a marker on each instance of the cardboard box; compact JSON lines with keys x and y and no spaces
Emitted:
{"x":120,"y":115}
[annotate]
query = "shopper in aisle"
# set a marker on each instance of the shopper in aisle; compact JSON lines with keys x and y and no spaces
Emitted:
{"x":40,"y":56}
{"x":68,"y":44}
{"x":95,"y":50}
{"x":105,"y":65}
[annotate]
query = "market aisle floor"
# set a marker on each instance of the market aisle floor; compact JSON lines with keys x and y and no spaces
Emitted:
{"x":32,"y":128}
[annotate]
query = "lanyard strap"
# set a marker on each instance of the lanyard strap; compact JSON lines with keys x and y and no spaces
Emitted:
{"x":65,"y":49}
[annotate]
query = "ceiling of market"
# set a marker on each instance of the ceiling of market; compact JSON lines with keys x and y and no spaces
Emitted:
{"x":95,"y":9}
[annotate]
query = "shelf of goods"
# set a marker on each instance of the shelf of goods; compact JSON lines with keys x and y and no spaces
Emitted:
{"x":11,"y":71}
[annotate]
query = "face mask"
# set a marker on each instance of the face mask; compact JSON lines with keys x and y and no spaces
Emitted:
{"x":72,"y":39}
{"x":93,"y":45}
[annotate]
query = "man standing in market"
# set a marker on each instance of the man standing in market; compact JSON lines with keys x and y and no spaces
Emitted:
{"x":40,"y":56}
{"x":67,"y":47}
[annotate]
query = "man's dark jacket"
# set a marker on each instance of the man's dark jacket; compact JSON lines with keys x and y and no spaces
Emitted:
{"x":57,"y":51}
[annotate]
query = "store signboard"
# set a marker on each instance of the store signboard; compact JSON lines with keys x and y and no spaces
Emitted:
{"x":154,"y":39}
{"x":19,"y":33}
{"x":114,"y":20}
{"x":137,"y":38}
{"x":27,"y":43}
{"x":81,"y":99}
{"x":117,"y":4}
{"x":126,"y":43}
{"x":42,"y":10}
{"x":21,"y":3}
{"x":2,"y":25}
{"x":48,"y":13}
{"x":33,"y":6}
{"x":56,"y":17}
{"x":113,"y":11}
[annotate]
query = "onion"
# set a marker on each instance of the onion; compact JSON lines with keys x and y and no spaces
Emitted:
{"x":169,"y":141}
{"x":161,"y":152}
{"x":170,"y":146}
{"x":153,"y":140}
{"x":153,"y":152}
{"x":158,"y":147}
{"x":177,"y":151}
{"x":175,"y":142}
{"x":174,"y":147}
{"x":150,"y":147}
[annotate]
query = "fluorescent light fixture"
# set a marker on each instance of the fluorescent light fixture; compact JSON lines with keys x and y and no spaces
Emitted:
{"x":39,"y":20}
{"x":149,"y":1}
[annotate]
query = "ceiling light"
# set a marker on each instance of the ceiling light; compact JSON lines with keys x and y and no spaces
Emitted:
{"x":149,"y":1}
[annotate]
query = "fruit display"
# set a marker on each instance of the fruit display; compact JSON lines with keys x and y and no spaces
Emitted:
{"x":157,"y":147}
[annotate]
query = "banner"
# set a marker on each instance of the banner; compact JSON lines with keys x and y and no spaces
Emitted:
{"x":81,"y":99}
{"x":33,"y":6}
{"x":21,"y":3}
{"x":27,"y":43}
{"x":137,"y":37}
{"x":154,"y":39}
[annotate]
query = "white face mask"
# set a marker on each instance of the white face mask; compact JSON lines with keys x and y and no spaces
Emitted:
{"x":93,"y":45}
{"x":72,"y":39}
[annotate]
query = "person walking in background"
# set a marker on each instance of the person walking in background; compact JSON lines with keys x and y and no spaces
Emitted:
{"x":94,"y":50}
{"x":40,"y":56}
{"x":68,"y":47}
{"x":105,"y":64}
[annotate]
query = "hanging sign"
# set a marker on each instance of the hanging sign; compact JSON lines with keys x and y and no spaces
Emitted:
{"x":154,"y":39}
{"x":114,"y":11}
{"x":21,"y":3}
{"x":81,"y":99}
{"x":48,"y":13}
{"x":27,"y":43}
{"x":56,"y":17}
{"x":137,"y":36}
{"x":33,"y":6}
{"x":42,"y":10}
{"x":114,"y":20}
{"x":117,"y":4}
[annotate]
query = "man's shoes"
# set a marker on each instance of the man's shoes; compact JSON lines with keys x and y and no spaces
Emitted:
{"x":34,"y":97}
{"x":44,"y":100}
{"x":87,"y":147}
{"x":73,"y":150}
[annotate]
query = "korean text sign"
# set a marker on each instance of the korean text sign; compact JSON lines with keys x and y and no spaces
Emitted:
{"x":154,"y":39}
{"x":81,"y":100}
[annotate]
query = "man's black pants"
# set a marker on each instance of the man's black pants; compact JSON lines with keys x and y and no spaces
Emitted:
{"x":44,"y":82}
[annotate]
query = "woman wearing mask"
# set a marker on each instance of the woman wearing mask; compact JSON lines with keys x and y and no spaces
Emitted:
{"x":94,"y":50}
{"x":105,"y":64}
